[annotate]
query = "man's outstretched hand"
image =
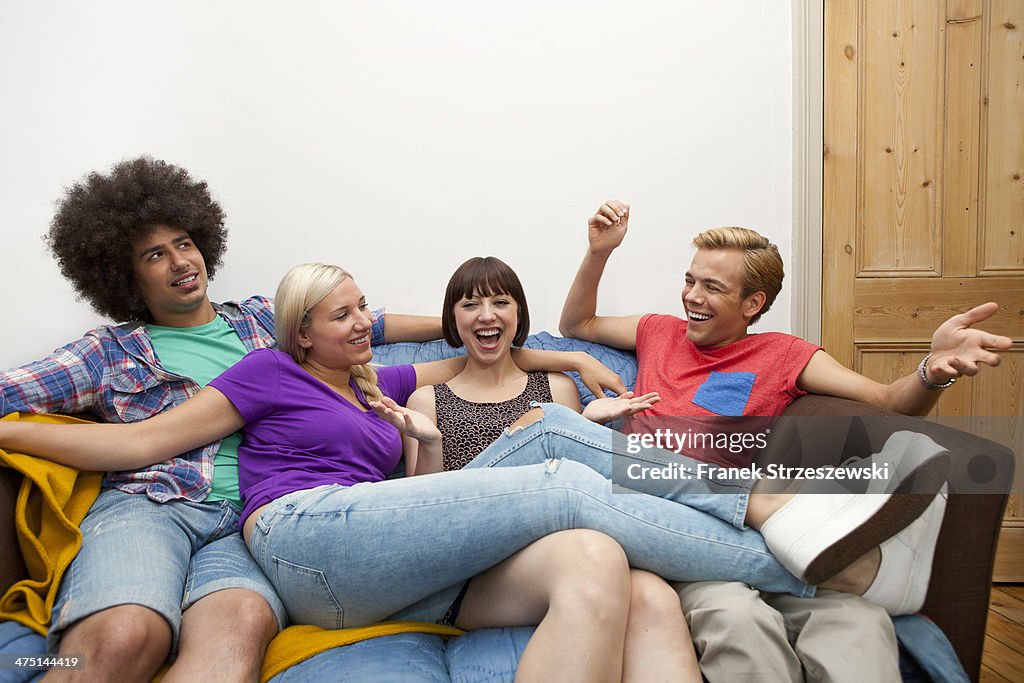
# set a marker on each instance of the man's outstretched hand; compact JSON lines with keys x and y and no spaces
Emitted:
{"x":958,"y":348}
{"x":602,"y":410}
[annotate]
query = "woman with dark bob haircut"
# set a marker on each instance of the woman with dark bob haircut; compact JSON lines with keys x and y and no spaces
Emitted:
{"x":99,"y":219}
{"x":485,"y":310}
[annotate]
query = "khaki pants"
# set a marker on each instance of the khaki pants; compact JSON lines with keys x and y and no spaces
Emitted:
{"x":743,"y":635}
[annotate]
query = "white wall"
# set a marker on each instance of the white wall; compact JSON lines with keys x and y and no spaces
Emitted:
{"x":397,"y":138}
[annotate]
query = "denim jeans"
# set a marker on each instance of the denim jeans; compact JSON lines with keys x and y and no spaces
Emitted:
{"x":400,"y":549}
{"x":564,"y":433}
{"x":164,"y":556}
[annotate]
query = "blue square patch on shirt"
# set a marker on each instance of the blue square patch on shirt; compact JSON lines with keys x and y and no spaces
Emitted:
{"x":725,"y":393}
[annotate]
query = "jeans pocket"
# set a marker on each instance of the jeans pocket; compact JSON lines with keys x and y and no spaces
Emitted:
{"x":307,"y":595}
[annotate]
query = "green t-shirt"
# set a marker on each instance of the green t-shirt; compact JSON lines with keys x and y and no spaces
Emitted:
{"x":202,"y":353}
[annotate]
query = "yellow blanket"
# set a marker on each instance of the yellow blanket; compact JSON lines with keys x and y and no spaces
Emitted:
{"x":51,"y":503}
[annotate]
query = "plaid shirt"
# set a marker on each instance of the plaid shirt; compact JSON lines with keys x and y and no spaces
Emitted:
{"x":113,"y":373}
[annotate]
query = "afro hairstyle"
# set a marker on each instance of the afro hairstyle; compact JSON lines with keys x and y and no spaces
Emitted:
{"x":100,"y":218}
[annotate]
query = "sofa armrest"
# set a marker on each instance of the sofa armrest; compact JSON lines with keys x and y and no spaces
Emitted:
{"x":12,"y":568}
{"x":820,"y":430}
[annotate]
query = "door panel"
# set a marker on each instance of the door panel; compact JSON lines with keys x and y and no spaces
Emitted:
{"x":924,"y":198}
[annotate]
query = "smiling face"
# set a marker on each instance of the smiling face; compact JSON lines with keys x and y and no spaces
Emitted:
{"x":170,"y":273}
{"x":486,"y":324}
{"x":338,"y":333}
{"x":716,"y":310}
{"x":478,"y":279}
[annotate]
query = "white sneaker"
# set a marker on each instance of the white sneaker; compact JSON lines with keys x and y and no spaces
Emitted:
{"x":914,"y":462}
{"x":902,"y":580}
{"x":813,"y":526}
{"x":909,"y":462}
{"x":817,"y":535}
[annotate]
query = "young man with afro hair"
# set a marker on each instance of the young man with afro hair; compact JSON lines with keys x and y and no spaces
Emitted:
{"x":162,"y":566}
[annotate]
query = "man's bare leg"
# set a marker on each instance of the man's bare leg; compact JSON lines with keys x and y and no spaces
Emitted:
{"x":223,"y":637}
{"x":124,"y":643}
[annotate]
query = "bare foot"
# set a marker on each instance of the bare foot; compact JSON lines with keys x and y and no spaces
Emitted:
{"x":761,"y":506}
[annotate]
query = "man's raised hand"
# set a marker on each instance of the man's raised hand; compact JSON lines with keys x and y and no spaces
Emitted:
{"x":607,"y":226}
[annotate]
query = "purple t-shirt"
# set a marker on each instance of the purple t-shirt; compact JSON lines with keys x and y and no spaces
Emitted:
{"x":300,"y":434}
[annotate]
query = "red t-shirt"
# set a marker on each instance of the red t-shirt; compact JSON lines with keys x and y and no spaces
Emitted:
{"x":755,"y":376}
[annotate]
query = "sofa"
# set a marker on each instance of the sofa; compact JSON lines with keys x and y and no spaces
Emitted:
{"x":814,"y":430}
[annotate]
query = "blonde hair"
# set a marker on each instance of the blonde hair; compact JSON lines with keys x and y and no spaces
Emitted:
{"x":762,"y":265}
{"x":302,"y":288}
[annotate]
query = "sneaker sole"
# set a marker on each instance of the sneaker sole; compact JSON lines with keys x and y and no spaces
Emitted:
{"x":895,"y":515}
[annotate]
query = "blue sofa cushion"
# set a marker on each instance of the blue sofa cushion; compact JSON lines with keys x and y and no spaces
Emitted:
{"x":17,"y":639}
{"x":490,"y":655}
{"x":400,"y":658}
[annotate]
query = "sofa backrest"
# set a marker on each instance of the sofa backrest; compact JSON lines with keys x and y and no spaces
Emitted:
{"x":622,"y":363}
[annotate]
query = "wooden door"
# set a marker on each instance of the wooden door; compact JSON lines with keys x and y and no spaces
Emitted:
{"x":924,"y":199}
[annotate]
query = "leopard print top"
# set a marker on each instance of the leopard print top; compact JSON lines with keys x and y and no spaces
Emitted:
{"x":468,"y":428}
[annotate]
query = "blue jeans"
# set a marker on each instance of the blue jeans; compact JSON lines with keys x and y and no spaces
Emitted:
{"x":564,"y":433}
{"x":164,"y":556}
{"x":401,"y":549}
